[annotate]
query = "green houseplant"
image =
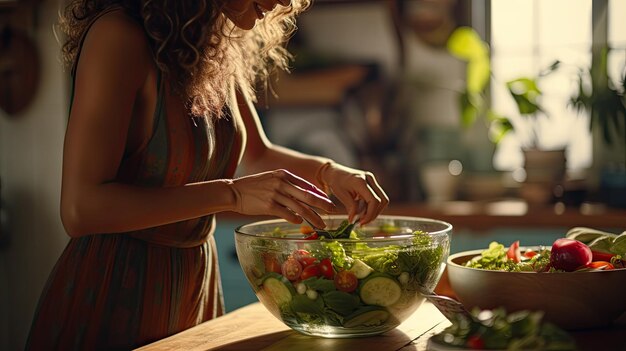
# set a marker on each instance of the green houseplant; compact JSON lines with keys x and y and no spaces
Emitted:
{"x":596,"y":95}
{"x":466,"y":44}
{"x":605,"y":102}
{"x":544,"y":168}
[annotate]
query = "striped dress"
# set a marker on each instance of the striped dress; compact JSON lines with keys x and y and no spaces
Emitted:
{"x":123,"y":290}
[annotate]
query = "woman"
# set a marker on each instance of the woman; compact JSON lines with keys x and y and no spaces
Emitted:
{"x":162,"y":114}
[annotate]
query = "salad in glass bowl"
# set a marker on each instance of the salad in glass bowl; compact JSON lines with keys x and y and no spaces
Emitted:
{"x":353,"y":282}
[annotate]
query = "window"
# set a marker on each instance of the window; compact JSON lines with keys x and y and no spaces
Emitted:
{"x":526,"y":37}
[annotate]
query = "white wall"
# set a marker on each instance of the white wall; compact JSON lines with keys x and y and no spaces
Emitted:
{"x":30,"y":171}
{"x":362,"y":32}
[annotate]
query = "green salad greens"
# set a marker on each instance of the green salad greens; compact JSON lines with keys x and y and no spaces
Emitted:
{"x":497,"y":330}
{"x":350,"y":283}
{"x":497,"y":257}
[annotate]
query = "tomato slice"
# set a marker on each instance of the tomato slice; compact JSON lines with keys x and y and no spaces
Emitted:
{"x":304,"y":257}
{"x":475,"y":342}
{"x":291,"y":269}
{"x":310,"y":271}
{"x":312,"y":236}
{"x":514,"y":252}
{"x":346,"y":281}
{"x":326,"y":267}
{"x":271,"y":264}
{"x":604,"y":265}
{"x":530,"y":254}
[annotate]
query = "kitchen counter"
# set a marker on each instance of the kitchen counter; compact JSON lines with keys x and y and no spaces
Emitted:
{"x":253,"y":328}
{"x":505,"y":213}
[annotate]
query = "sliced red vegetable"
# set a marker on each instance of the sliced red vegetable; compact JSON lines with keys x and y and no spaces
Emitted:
{"x":306,"y":229}
{"x":311,"y":271}
{"x":475,"y":342}
{"x":313,"y":236}
{"x":569,"y":254}
{"x":530,"y":254}
{"x":346,"y":281}
{"x":601,"y":256}
{"x":271,"y":264}
{"x":514,"y":252}
{"x":326,"y":267}
{"x":291,"y":269}
{"x":304,"y":257}
{"x":603,"y":265}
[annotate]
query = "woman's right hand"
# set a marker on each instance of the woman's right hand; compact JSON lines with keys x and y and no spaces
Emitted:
{"x":280,"y":193}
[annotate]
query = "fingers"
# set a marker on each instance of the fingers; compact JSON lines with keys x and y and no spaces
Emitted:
{"x":363,"y":196}
{"x":378,"y":190}
{"x":302,"y":210}
{"x":279,"y":193}
{"x":304,"y":192}
{"x":348,"y":200}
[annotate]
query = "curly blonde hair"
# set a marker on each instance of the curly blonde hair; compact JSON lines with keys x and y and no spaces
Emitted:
{"x":195,"y":46}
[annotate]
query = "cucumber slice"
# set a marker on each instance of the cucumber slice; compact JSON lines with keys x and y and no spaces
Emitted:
{"x":369,"y":317}
{"x":380,"y":290}
{"x":360,"y":269}
{"x":278,"y":288}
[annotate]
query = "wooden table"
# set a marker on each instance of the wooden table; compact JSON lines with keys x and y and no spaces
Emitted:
{"x":254,"y":328}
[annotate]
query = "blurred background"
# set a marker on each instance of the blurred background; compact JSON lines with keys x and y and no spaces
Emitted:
{"x":504,"y":117}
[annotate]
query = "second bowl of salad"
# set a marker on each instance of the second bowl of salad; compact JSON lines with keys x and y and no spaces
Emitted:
{"x":360,"y":281}
{"x":578,"y":283}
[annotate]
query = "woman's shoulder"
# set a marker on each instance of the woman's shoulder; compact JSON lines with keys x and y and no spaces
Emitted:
{"x":115,"y":36}
{"x":117,"y":25}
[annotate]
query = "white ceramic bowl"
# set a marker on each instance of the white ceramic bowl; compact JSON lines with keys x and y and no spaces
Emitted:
{"x":382,"y":296}
{"x":571,"y":300}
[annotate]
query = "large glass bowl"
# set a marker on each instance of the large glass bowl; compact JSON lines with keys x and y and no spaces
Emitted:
{"x":344,"y":287}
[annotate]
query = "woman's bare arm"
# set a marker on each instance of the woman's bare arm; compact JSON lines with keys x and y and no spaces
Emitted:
{"x":349,"y":185}
{"x":114,"y":63}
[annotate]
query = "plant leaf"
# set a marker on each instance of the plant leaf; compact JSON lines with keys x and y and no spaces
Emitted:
{"x":499,"y":127}
{"x":465,"y":44}
{"x":469,"y":108}
{"x":526,"y":94}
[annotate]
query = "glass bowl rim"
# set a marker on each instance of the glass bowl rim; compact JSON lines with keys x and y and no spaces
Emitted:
{"x":445,"y":231}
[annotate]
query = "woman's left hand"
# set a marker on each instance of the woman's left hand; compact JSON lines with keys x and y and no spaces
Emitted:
{"x":352,"y":186}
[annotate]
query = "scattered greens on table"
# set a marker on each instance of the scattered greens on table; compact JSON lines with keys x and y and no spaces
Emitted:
{"x":497,"y":330}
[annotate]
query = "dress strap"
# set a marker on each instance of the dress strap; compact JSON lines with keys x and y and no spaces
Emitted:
{"x":84,"y":35}
{"x":80,"y":47}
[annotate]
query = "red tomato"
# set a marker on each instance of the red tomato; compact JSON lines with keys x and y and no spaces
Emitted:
{"x":346,"y":281}
{"x":292,"y":269}
{"x":313,"y":236}
{"x":514,"y":252}
{"x":271,"y":264}
{"x":530,"y":254}
{"x":304,"y":257}
{"x":475,"y":342}
{"x":599,"y":265}
{"x":569,"y":254}
{"x":310,"y":271}
{"x":326,"y":267}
